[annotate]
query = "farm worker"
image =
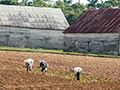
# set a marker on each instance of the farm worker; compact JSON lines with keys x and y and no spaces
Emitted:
{"x":44,"y":65}
{"x":28,"y":64}
{"x":77,"y":71}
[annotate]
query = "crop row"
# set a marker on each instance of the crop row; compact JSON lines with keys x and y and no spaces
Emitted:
{"x":62,"y":74}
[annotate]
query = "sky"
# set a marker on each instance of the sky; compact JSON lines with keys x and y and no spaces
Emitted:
{"x":81,"y":1}
{"x":74,"y":1}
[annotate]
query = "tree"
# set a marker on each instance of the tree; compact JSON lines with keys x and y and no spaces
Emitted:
{"x":113,"y":3}
{"x":26,"y":2}
{"x":58,"y":4}
{"x":40,"y":3}
{"x":103,"y":4}
{"x":49,"y":2}
{"x":79,"y":10}
{"x":71,"y":11}
{"x":67,"y":1}
{"x":92,"y":3}
{"x":9,"y":2}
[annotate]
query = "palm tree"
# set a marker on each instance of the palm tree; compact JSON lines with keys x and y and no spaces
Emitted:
{"x":105,"y":4}
{"x":26,"y":2}
{"x":113,"y":3}
{"x":67,"y":1}
{"x":92,"y":3}
{"x":9,"y":2}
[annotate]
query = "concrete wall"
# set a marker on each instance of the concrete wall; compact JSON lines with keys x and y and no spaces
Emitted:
{"x":98,"y":43}
{"x":33,"y":38}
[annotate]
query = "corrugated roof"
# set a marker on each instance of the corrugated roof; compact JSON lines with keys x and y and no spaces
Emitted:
{"x":104,"y":20}
{"x":32,"y":17}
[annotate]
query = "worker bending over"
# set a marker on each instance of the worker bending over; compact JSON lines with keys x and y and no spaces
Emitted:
{"x":44,"y":65}
{"x":77,"y":71}
{"x":28,"y":64}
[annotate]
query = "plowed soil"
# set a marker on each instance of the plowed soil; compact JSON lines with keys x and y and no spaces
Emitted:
{"x":98,"y":73}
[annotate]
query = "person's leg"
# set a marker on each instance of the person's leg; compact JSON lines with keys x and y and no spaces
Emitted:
{"x":30,"y":69}
{"x":78,"y":76}
{"x":42,"y":69}
{"x":27,"y":68}
{"x":45,"y":69}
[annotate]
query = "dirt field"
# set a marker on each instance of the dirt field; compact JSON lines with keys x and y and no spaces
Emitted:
{"x":98,"y":73}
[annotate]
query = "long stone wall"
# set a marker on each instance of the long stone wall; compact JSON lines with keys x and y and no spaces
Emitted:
{"x":97,"y":43}
{"x":32,"y":38}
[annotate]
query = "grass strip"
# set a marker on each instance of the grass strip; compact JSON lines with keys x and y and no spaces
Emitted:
{"x":54,"y":51}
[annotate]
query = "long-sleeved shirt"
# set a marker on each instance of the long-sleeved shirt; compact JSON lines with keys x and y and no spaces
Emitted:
{"x":77,"y":69}
{"x":30,"y":61}
{"x":43,"y":63}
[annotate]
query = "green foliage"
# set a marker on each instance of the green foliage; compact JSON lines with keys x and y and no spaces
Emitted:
{"x":70,"y":76}
{"x":9,"y":2}
{"x":67,"y":1}
{"x":40,"y":3}
{"x":92,"y":3}
{"x":71,"y":12}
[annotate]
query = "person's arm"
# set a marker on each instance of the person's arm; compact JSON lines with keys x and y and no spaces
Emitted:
{"x":75,"y":75}
{"x":41,"y":64}
{"x":30,"y":66}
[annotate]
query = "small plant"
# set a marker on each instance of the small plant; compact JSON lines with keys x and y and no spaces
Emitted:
{"x":36,"y":72}
{"x":66,"y":77}
{"x":52,"y":74}
{"x":47,"y":73}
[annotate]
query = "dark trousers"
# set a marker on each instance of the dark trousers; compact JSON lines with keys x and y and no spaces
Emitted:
{"x":28,"y":69}
{"x":44,"y":68}
{"x":78,"y":76}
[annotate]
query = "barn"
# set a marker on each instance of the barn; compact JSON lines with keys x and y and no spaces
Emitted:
{"x":32,"y":27}
{"x":96,"y":32}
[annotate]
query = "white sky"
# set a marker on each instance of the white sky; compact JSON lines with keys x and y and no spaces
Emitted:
{"x":74,"y":1}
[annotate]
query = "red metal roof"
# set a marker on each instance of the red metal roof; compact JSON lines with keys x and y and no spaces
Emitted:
{"x":104,"y":20}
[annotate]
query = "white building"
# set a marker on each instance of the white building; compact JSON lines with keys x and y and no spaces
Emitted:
{"x":36,"y":27}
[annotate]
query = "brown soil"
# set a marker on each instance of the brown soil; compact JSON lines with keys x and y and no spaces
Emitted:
{"x":13,"y":75}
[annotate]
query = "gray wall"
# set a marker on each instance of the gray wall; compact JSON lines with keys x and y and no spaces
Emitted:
{"x":98,"y":43}
{"x":33,"y":38}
